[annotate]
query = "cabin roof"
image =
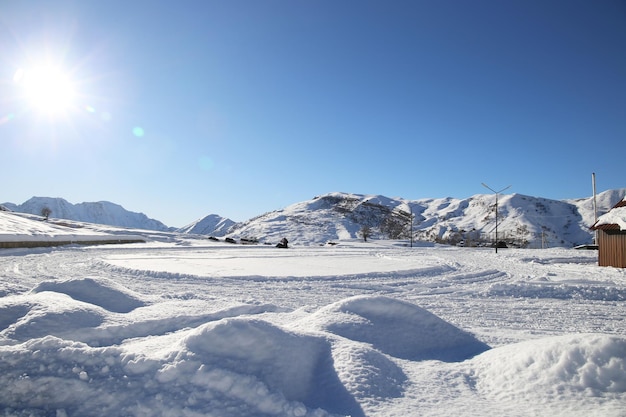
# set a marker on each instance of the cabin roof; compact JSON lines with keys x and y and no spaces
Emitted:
{"x":615,"y":219}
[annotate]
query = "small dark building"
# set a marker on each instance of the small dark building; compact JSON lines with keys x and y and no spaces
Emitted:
{"x":611,"y":228}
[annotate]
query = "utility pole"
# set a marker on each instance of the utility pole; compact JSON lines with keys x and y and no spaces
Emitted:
{"x":411,"y":224}
{"x":595,"y":207}
{"x":496,"y":193}
{"x":411,"y":214}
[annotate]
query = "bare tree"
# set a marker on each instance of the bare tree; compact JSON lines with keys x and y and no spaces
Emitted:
{"x":365,"y":232}
{"x":46,"y":212}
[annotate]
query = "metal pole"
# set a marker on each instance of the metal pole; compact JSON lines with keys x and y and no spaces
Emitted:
{"x":595,"y":207}
{"x":411,"y":214}
{"x":411,"y":224}
{"x":496,"y":222}
{"x":496,"y":193}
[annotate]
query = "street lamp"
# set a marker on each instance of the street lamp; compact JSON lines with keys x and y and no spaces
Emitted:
{"x":496,"y":193}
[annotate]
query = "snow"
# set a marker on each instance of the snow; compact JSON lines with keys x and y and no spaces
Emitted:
{"x":524,"y":221}
{"x":107,"y":295}
{"x":182,"y":326}
{"x":399,"y":329}
{"x":16,"y":227}
{"x":616,"y":215}
{"x":583,"y":373}
{"x":102,"y":212}
{"x":208,"y":225}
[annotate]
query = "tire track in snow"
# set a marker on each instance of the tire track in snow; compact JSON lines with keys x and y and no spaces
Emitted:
{"x":486,"y":276}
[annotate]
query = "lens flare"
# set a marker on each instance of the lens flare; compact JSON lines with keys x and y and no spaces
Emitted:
{"x":205,"y":163}
{"x":138,"y":131}
{"x":7,"y":118}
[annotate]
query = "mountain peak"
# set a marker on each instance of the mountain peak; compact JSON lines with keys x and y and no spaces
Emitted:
{"x":101,"y":212}
{"x":523,"y":220}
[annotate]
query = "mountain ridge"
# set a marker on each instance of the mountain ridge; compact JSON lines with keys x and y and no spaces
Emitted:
{"x":523,"y":221}
{"x":100,"y":212}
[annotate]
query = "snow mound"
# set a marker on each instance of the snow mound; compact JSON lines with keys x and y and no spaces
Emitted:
{"x":589,"y":365}
{"x":55,"y":374}
{"x":100,"y":292}
{"x":367,"y":373}
{"x":299,"y":367}
{"x":234,"y":368}
{"x":47,"y":313}
{"x":399,"y":329}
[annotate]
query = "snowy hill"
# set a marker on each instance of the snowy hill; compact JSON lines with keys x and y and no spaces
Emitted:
{"x":522,"y":220}
{"x":209,"y":225}
{"x":25,"y":230}
{"x":101,"y":212}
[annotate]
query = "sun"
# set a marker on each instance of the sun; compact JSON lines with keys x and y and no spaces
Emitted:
{"x":47,"y":89}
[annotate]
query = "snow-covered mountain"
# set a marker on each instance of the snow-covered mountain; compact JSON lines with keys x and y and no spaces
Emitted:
{"x":101,"y":212}
{"x":522,"y":220}
{"x":209,"y":225}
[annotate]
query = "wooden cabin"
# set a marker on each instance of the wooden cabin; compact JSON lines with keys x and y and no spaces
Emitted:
{"x":611,"y":229}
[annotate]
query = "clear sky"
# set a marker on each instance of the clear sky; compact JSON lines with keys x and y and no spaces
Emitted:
{"x":189,"y":108}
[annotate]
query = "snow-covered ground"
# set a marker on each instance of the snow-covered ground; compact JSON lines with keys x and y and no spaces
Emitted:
{"x":188,"y":327}
{"x":21,"y":228}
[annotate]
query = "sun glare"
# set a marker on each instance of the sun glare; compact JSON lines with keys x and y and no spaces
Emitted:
{"x":47,"y":89}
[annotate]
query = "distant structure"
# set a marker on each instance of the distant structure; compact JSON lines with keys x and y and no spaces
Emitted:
{"x":611,"y":228}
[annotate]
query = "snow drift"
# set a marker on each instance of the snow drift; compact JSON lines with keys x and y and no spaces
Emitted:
{"x":399,"y":329}
{"x":101,"y":292}
{"x":565,"y":366}
{"x":557,"y":373}
{"x":191,"y":327}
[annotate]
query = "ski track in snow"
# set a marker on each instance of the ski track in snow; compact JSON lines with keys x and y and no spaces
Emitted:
{"x":174,"y":318}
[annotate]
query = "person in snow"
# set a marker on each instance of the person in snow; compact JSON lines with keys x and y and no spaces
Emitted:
{"x":283,"y":243}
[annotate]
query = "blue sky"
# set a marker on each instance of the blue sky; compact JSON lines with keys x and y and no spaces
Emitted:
{"x":183,"y":109}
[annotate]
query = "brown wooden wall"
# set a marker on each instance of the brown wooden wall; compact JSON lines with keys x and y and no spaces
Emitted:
{"x":612,"y":248}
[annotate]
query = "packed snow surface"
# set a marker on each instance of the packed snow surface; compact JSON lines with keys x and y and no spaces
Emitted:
{"x":188,"y":327}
